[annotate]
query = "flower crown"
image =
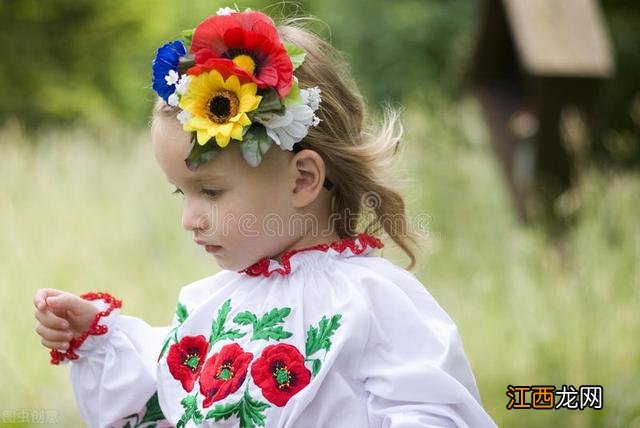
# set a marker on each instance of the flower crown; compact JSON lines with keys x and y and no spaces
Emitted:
{"x":232,"y":79}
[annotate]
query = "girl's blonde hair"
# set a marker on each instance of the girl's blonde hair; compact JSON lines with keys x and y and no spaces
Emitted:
{"x":358,"y":150}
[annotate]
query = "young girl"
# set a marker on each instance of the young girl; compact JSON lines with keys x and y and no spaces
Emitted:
{"x":261,"y":130}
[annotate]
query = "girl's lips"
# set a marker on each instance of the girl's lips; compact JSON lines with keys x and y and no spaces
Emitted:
{"x":212,"y":248}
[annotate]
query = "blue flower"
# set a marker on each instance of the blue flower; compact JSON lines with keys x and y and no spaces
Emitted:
{"x":166,"y":60}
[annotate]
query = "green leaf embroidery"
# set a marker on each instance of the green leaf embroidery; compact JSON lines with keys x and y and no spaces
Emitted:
{"x":248,"y":410}
{"x":181,"y":316}
{"x":218,"y":331}
{"x":153,"y":411}
{"x":296,"y":53}
{"x":223,"y":411}
{"x":315,"y":367}
{"x":320,"y":338}
{"x":266,"y":328}
{"x":181,"y":313}
{"x":191,"y":411}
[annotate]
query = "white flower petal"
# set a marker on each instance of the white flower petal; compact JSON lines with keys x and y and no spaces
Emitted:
{"x":273,"y":120}
{"x":172,"y":77}
{"x":184,"y":116}
{"x":173,"y":100}
{"x":289,"y":128}
{"x":312,"y":97}
{"x":273,"y":135}
{"x":183,"y":83}
{"x":225,"y":11}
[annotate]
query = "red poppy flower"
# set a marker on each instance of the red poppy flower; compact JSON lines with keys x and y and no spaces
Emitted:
{"x":185,"y":359}
{"x":247,"y":43}
{"x":223,"y":373}
{"x":280,"y":373}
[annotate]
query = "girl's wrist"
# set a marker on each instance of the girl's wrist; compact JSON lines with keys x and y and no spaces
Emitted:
{"x":102,"y":321}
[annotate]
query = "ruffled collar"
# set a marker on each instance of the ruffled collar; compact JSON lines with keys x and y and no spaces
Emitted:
{"x":362,"y":244}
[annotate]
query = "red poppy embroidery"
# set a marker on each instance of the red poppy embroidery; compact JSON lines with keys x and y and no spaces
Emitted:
{"x":223,"y":373}
{"x":280,"y":373}
{"x":357,"y":246}
{"x":185,"y":359}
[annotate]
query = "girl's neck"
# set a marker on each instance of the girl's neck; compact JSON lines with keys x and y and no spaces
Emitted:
{"x":308,"y":240}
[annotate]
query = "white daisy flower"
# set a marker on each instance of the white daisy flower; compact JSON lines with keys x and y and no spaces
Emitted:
{"x":173,"y":100}
{"x":311,"y":97}
{"x":184,"y":116}
{"x":181,"y":86}
{"x":172,"y":77}
{"x":225,"y":11}
{"x":287,"y":129}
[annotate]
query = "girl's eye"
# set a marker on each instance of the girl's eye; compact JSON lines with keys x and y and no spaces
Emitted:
{"x":211,"y":193}
{"x":177,"y":191}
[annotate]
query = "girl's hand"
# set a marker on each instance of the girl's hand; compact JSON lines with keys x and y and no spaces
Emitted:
{"x":61,"y":316}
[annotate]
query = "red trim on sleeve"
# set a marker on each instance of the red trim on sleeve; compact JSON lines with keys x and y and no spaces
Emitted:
{"x":94,"y":329}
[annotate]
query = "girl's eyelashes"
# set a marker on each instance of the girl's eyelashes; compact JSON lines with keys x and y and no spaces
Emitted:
{"x":211,"y":193}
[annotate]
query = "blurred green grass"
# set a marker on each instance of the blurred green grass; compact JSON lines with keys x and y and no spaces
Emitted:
{"x":89,"y":210}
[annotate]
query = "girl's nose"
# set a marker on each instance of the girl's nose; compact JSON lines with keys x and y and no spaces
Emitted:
{"x":195,"y":215}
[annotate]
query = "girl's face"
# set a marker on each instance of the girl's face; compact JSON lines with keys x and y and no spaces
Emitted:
{"x":242,"y":212}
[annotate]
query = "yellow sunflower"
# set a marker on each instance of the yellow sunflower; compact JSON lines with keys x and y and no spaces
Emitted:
{"x":218,"y":106}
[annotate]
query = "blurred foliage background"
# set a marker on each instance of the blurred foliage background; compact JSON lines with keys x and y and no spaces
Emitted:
{"x":85,"y":61}
{"x":84,"y":207}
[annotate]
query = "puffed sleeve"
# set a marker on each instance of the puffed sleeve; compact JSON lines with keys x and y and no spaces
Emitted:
{"x":414,"y":368}
{"x":113,"y":364}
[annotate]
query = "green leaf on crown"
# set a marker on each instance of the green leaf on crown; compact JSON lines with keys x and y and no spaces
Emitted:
{"x":255,"y":143}
{"x":186,"y":62}
{"x":200,"y":153}
{"x":187,"y":36}
{"x":293,"y":97}
{"x":270,"y":103}
{"x":296,"y":53}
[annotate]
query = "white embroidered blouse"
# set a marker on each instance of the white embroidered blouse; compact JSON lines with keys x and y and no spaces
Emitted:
{"x":331,"y":336}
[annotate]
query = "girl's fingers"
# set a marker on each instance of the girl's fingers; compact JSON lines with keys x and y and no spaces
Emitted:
{"x":39,"y":299}
{"x":51,"y":320}
{"x":54,"y":335}
{"x":53,"y":344}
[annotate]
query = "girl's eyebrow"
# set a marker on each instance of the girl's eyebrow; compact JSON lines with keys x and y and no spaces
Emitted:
{"x":202,"y":179}
{"x":211,"y":177}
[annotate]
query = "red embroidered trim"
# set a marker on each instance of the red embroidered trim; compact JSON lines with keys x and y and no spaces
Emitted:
{"x":94,"y":329}
{"x":262,"y":266}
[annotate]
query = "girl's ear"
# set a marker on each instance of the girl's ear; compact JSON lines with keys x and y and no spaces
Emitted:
{"x":309,"y":170}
